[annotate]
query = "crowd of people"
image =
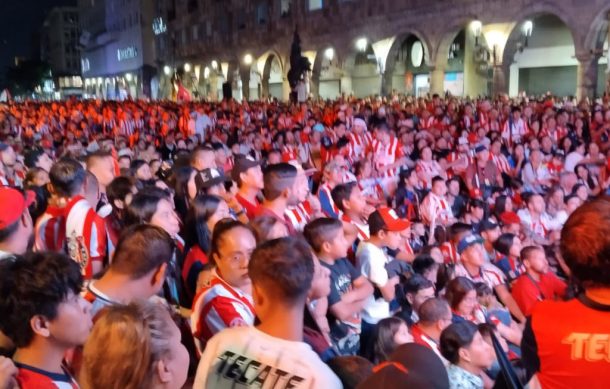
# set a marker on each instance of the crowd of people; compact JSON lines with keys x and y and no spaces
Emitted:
{"x":406,"y":242}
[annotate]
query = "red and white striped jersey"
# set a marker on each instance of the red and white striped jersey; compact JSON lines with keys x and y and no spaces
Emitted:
{"x":435,"y":208}
{"x":49,"y":234}
{"x":358,"y":144}
{"x":501,"y":163}
{"x":299,"y":216}
{"x":326,"y":200}
{"x":363,"y":229}
{"x":426,"y":124}
{"x":126,"y":127}
{"x":450,"y":253}
{"x":430,"y":168}
{"x":289,"y":153}
{"x":555,"y":135}
{"x":218,"y":306}
{"x":514,"y":132}
{"x":386,"y":155}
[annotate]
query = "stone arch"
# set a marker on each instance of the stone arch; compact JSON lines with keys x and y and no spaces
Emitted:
{"x":388,"y":83}
{"x":321,"y":84}
{"x":597,"y":33}
{"x":362,"y":73}
{"x":272,"y":66}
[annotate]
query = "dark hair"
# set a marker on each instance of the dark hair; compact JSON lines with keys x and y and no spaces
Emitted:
{"x":144,"y":205}
{"x":141,"y":249}
{"x":181,"y":179}
{"x":196,"y":231}
{"x":220,"y":229}
{"x":67,"y":177}
{"x":384,"y":344}
{"x":423,"y":263}
{"x":504,"y":243}
{"x":416,"y":283}
{"x":342,"y":192}
{"x":482,"y":289}
{"x":262,"y":225}
{"x":436,"y":179}
{"x":285,"y":267}
{"x":35,"y":284}
{"x":455,"y":337}
{"x":352,"y":370}
{"x":198,"y":150}
{"x":277,"y":178}
{"x":320,"y":231}
{"x":119,"y":188}
{"x":500,"y":205}
{"x":585,"y":242}
{"x":433,"y":310}
{"x":457,"y":289}
{"x":527,"y":252}
{"x":137,"y":164}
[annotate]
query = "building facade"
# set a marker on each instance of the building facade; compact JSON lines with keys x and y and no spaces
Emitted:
{"x":59,"y":48}
{"x":117,"y":59}
{"x":376,"y":47}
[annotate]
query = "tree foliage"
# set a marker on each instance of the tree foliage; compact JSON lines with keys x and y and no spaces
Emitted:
{"x":299,"y":64}
{"x":26,"y":76}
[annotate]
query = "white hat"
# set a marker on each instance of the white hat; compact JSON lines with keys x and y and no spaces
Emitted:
{"x":462,"y":141}
{"x":359,"y":122}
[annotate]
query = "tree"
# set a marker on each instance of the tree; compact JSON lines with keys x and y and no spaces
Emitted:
{"x":26,"y":76}
{"x":299,"y":65}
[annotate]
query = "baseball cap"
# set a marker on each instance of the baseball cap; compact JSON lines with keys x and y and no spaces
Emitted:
{"x":12,"y":205}
{"x":411,"y":366}
{"x":385,"y":218}
{"x":468,"y":241}
{"x":241,"y":164}
{"x":318,"y":127}
{"x":480,"y":148}
{"x":487,"y":225}
{"x":211,"y":177}
{"x":359,"y":122}
{"x":510,"y":218}
{"x":31,"y":157}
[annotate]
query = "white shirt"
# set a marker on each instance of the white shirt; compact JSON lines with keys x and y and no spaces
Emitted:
{"x":488,"y":274}
{"x":202,"y":122}
{"x":572,"y":159}
{"x":245,"y":357}
{"x":371,"y":262}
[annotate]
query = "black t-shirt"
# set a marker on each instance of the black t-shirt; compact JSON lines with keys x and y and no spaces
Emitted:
{"x":344,"y":334}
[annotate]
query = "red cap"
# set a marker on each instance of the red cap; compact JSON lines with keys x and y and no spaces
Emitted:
{"x":475,"y":193}
{"x":385,"y":218}
{"x":510,"y":218}
{"x":12,"y":205}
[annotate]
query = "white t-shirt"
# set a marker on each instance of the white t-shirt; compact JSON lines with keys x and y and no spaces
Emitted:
{"x":572,"y":159}
{"x":244,"y":357}
{"x":371,"y":261}
{"x":202,"y":122}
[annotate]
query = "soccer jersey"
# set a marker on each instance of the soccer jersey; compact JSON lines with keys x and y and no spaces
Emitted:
{"x":435,"y":208}
{"x":248,"y":358}
{"x":249,"y":207}
{"x":299,"y":215}
{"x":326,"y":201}
{"x":218,"y":306}
{"x":386,"y":155}
{"x":488,"y":274}
{"x":30,"y":377}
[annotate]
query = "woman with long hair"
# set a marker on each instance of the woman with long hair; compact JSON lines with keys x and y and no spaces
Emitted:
{"x":509,"y":246}
{"x":390,"y":333}
{"x":185,"y":186}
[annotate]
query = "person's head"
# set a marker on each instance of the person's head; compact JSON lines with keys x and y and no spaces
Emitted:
{"x":220,"y":154}
{"x":185,"y":180}
{"x":326,"y":238}
{"x":434,"y":315}
{"x":572,"y":202}
{"x":462,"y":345}
{"x":154,"y":206}
{"x":349,"y":199}
{"x":142,"y":254}
{"x":534,"y":259}
{"x":16,"y":226}
{"x":8,"y":157}
{"x":508,"y":245}
{"x":36,"y":177}
{"x":352,"y":370}
{"x":391,"y":332}
{"x":120,"y":192}
{"x":386,"y":228}
{"x":585,"y":243}
{"x":268,"y":228}
{"x":282,"y":271}
{"x":581,"y":191}
{"x":141,"y":170}
{"x":38,"y":159}
{"x":333,"y":173}
{"x":230,"y":251}
{"x":102,"y":166}
{"x":476,"y":208}
{"x":203,"y":215}
{"x":426,"y":266}
{"x":489,"y":230}
{"x":141,"y":346}
{"x":279,"y":180}
{"x":40,"y":303}
{"x":535,"y":203}
{"x":247,"y":172}
{"x":471,"y":251}
{"x":417,"y":290}
{"x":91,"y":189}
{"x":439,"y":187}
{"x":461,"y":295}
{"x":67,"y":178}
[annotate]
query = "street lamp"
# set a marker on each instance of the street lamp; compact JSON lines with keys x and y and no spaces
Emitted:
{"x":167,"y":70}
{"x":206,"y":72}
{"x":248,"y":59}
{"x":527,"y":29}
{"x":187,"y":67}
{"x":476,"y":27}
{"x":128,"y":77}
{"x":329,"y":53}
{"x":214,"y":65}
{"x":361,"y":44}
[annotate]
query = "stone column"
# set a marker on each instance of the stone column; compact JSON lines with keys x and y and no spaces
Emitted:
{"x":437,"y":80}
{"x":499,"y":85}
{"x":586,"y":77}
{"x":386,"y":83}
{"x":244,"y":75}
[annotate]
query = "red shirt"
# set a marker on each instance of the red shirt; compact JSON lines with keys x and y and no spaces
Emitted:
{"x":527,"y":292}
{"x":567,"y":344}
{"x":249,"y":207}
{"x":263,"y":211}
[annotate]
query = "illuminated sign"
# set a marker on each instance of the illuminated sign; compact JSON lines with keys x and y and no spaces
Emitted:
{"x":127,"y":53}
{"x":159,"y":26}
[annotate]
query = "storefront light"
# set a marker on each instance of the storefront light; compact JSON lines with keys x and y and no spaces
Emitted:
{"x":248,"y":59}
{"x":206,"y":72}
{"x":167,"y":70}
{"x":214,"y":65}
{"x":361,"y":44}
{"x":187,"y":67}
{"x":329,"y":53}
{"x":128,"y":77}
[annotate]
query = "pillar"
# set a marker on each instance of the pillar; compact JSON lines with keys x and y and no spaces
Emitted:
{"x":314,"y":85}
{"x":607,"y":86}
{"x":499,"y":80}
{"x":475,"y":82}
{"x":437,"y":80}
{"x":386,"y":83}
{"x":285,"y":89}
{"x":244,"y":75}
{"x":586,"y":77}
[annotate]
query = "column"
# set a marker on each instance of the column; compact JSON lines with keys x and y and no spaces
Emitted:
{"x":586,"y":77}
{"x":499,"y":80}
{"x":314,"y":84}
{"x":607,"y":86}
{"x":437,"y":80}
{"x":244,"y":75}
{"x":285,"y":89}
{"x":386,"y":83}
{"x":475,"y":82}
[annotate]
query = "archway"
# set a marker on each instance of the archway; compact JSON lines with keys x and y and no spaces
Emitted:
{"x":540,"y":53}
{"x":272,"y":80}
{"x":407,"y":70}
{"x":364,"y":70}
{"x":327,"y":73}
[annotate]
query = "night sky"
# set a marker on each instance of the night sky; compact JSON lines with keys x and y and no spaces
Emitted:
{"x":20,"y":21}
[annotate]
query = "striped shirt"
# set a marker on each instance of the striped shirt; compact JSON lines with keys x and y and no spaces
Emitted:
{"x":326,"y":201}
{"x":299,"y":216}
{"x":386,"y":155}
{"x":218,"y":306}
